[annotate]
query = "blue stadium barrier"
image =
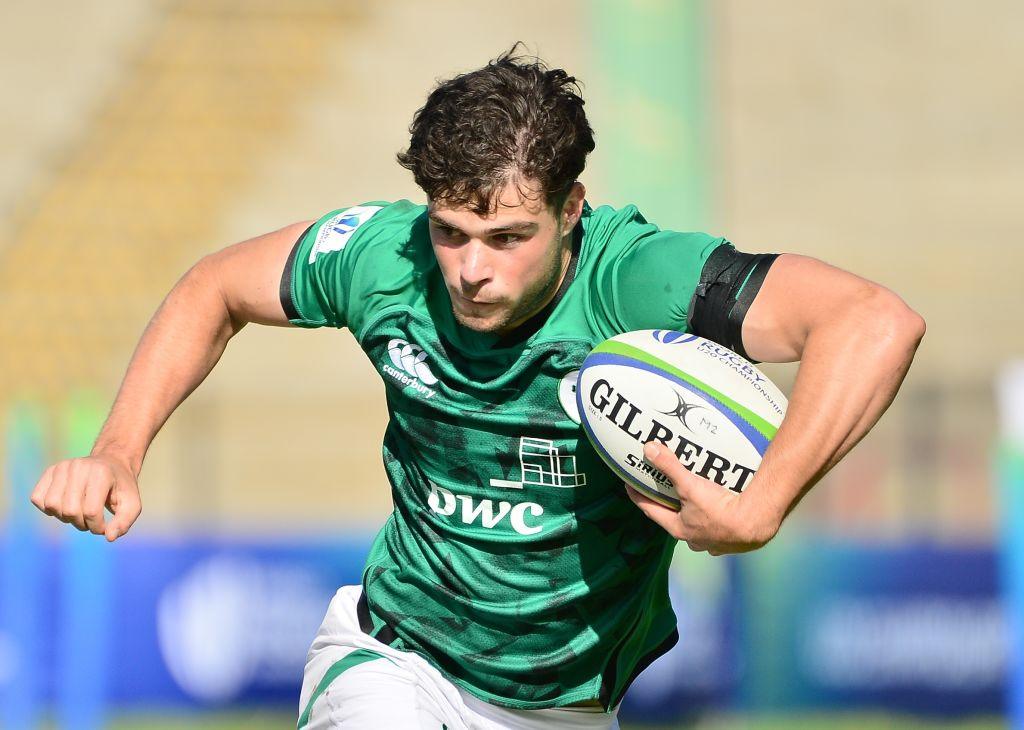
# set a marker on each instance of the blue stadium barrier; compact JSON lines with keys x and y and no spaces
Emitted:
{"x":1010,"y":467}
{"x":22,"y":590}
{"x":201,"y":623}
{"x":915,"y":628}
{"x":83,"y":627}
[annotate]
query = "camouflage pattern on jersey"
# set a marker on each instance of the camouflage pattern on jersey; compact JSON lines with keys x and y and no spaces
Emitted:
{"x":514,"y":560}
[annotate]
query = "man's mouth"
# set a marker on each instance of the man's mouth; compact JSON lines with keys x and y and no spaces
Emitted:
{"x":476,"y":302}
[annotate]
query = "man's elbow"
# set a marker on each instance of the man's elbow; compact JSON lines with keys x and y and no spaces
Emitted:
{"x":893,"y":319}
{"x":206,"y":277}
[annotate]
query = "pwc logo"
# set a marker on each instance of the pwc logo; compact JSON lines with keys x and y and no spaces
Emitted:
{"x":410,"y":367}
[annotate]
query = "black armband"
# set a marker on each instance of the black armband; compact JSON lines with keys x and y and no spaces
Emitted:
{"x":285,"y":289}
{"x":728,"y":284}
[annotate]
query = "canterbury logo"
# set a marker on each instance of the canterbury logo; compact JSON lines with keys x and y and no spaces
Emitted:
{"x":411,"y":368}
{"x":411,"y":359}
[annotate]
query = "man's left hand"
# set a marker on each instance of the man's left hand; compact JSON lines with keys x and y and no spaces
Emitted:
{"x":711,"y":518}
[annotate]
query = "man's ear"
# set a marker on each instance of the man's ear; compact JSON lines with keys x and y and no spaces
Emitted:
{"x":572,"y":209}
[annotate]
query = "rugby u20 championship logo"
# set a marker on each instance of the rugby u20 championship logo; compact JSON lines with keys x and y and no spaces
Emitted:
{"x":410,"y":368}
{"x":336,"y":232}
{"x":671,"y":337}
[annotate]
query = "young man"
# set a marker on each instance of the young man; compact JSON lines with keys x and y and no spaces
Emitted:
{"x":498,"y":593}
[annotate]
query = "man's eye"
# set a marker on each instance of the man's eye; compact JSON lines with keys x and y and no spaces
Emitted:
{"x":508,"y":238}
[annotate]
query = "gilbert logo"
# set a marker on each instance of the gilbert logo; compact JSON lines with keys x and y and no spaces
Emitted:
{"x":410,"y":368}
{"x":682,"y":410}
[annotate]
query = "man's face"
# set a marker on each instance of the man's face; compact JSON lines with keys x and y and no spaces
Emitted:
{"x":503,"y":267}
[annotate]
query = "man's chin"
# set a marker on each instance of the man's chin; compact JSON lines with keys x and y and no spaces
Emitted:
{"x":492,"y":324}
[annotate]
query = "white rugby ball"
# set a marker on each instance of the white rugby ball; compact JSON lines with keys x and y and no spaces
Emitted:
{"x":708,"y":405}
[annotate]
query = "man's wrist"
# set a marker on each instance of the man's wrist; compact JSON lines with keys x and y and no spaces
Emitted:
{"x":127,"y":458}
{"x":762,"y":515}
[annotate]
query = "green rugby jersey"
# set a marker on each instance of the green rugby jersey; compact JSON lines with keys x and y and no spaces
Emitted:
{"x":513,"y":561}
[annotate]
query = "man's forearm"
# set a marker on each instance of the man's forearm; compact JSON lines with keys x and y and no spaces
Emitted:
{"x":851,"y":367}
{"x":179,"y":347}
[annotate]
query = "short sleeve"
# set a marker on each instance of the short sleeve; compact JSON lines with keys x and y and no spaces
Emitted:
{"x":317,"y":278}
{"x":654,"y":280}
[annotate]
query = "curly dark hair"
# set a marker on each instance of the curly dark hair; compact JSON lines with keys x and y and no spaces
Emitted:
{"x":513,"y":120}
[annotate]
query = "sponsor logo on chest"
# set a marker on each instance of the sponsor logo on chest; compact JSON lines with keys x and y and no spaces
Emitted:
{"x":541,"y":464}
{"x":488,"y":512}
{"x":409,"y":367}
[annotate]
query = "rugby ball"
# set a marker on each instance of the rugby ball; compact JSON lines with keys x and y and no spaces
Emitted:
{"x":708,"y":405}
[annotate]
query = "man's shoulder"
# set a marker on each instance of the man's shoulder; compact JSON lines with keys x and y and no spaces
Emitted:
{"x":354,"y":260}
{"x":341,"y":225}
{"x":606,"y":220}
{"x":621,"y":230}
{"x":388,"y":234}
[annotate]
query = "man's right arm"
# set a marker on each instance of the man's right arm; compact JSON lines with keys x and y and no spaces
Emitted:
{"x":212,"y":302}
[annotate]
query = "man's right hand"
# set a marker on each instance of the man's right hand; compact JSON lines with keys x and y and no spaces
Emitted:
{"x":209,"y":304}
{"x":77,"y":490}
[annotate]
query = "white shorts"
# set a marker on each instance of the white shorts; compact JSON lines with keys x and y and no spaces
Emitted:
{"x":353,"y":681}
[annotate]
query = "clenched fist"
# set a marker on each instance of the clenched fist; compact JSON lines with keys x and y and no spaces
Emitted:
{"x":710,"y":519}
{"x":77,"y":490}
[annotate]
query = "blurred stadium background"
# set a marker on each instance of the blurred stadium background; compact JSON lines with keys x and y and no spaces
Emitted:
{"x":138,"y":135}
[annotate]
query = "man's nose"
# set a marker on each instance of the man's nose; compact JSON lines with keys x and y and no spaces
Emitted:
{"x":476,"y":266}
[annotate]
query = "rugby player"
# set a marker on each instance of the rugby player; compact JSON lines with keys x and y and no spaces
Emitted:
{"x":516,"y":583}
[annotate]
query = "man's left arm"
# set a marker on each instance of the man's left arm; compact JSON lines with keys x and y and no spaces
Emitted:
{"x":855,"y":341}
